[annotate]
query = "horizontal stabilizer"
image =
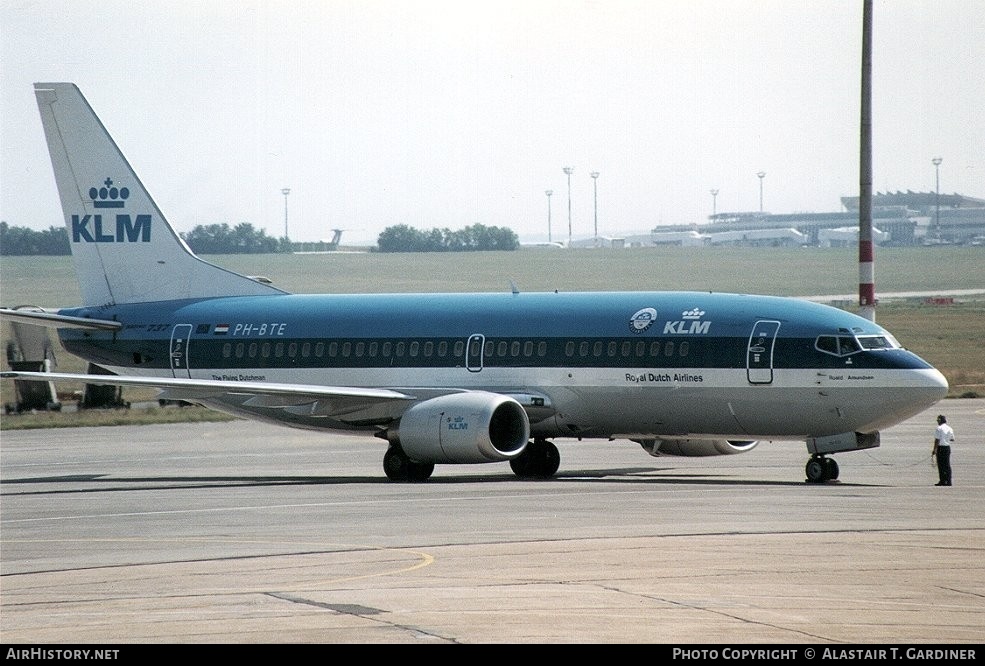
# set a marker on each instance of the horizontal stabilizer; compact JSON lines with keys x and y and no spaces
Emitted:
{"x":55,"y":320}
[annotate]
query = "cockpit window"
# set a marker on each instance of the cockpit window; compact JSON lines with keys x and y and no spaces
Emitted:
{"x":827,"y":344}
{"x":847,"y":345}
{"x":844,"y":345}
{"x":837,"y":345}
{"x":877,"y":342}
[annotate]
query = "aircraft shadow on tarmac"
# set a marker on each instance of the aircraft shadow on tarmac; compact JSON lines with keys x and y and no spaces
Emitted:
{"x":95,"y":483}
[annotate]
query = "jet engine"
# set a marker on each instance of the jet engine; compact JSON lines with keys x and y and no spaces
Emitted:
{"x":473,"y":427}
{"x":696,"y":447}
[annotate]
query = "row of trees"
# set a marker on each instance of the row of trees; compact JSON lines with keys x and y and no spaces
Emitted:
{"x":245,"y":239}
{"x":203,"y":239}
{"x":241,"y":239}
{"x":21,"y":241}
{"x":475,"y":238}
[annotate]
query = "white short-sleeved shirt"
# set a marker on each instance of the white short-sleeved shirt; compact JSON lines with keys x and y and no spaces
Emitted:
{"x":944,"y":435}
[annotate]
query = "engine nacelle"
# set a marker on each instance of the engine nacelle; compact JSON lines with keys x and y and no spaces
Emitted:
{"x":696,"y":447}
{"x":473,"y":427}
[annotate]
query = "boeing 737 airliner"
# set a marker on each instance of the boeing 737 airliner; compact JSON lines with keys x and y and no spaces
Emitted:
{"x":457,"y":378}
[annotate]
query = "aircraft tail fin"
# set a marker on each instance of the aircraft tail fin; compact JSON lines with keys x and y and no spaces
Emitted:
{"x":124,"y":250}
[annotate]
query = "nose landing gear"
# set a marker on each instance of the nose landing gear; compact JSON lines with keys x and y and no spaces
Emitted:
{"x":821,"y":468}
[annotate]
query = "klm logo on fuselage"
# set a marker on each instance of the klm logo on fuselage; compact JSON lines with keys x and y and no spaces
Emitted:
{"x":93,"y":229}
{"x":689,"y":324}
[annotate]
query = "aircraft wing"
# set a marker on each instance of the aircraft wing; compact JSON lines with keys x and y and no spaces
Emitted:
{"x":40,"y":317}
{"x":331,"y":401}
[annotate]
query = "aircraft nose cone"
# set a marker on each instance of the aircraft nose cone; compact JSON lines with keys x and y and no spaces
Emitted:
{"x":920,"y":390}
{"x":925,"y":389}
{"x":937,"y":382}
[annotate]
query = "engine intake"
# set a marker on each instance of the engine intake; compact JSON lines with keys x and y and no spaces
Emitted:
{"x":473,"y":427}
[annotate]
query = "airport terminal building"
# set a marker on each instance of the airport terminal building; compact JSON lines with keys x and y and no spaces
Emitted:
{"x":898,"y":219}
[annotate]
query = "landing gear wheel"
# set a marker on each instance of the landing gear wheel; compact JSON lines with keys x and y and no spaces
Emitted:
{"x":819,"y":469}
{"x":399,"y":467}
{"x":551,"y":460}
{"x":420,"y":471}
{"x":396,"y":464}
{"x":540,"y":460}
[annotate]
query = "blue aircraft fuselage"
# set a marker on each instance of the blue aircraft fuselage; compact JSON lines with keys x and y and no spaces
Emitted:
{"x":608,"y":364}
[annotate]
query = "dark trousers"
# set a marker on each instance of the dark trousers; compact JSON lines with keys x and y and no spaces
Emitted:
{"x":944,"y":464}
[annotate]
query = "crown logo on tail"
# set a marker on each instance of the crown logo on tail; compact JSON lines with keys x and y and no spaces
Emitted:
{"x":108,"y":196}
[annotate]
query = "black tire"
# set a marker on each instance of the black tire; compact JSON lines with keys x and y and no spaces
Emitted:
{"x":418,"y":471}
{"x":521,"y":466}
{"x":816,"y":470}
{"x":540,"y":460}
{"x":831,"y":468}
{"x":550,"y":462}
{"x":396,"y":464}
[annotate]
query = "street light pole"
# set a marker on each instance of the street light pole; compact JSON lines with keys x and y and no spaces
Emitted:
{"x":714,"y":201}
{"x":285,"y":192}
{"x":595,"y":187}
{"x":761,"y":175}
{"x":549,"y":193}
{"x":569,"y":171}
{"x":937,"y":169}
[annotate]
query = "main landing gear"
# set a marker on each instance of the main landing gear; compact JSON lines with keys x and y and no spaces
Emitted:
{"x":399,"y":467}
{"x":540,"y":460}
{"x":820,"y":469}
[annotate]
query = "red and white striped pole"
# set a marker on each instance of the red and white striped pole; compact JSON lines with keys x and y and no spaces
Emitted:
{"x":866,"y":263}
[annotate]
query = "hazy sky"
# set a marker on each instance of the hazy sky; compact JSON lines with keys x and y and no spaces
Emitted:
{"x":445,"y":114}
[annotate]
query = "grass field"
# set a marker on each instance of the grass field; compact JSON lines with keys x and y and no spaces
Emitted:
{"x":50,"y":281}
{"x":952,"y":337}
